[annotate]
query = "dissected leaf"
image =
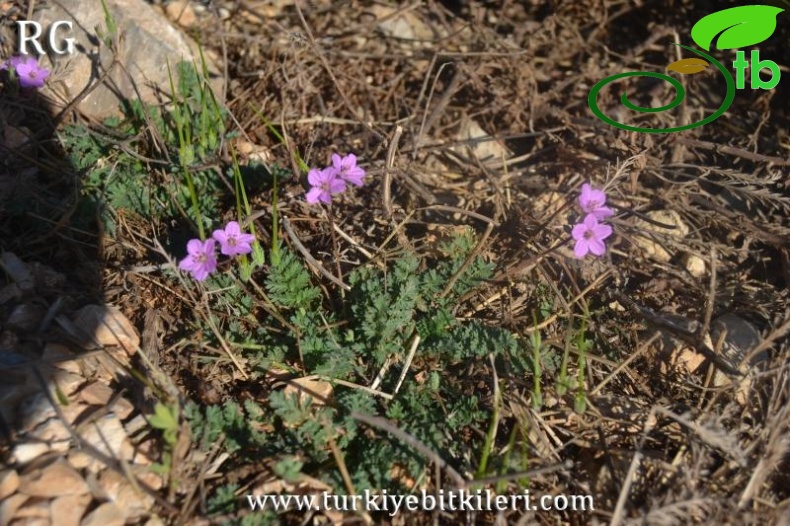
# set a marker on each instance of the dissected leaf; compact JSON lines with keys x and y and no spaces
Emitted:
{"x":737,"y":27}
{"x":688,"y":66}
{"x":163,"y":418}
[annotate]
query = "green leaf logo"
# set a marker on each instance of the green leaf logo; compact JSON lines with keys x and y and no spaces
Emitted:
{"x":738,"y":27}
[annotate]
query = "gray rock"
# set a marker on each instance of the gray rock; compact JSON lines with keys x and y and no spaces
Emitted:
{"x":148,"y":44}
{"x":740,"y":337}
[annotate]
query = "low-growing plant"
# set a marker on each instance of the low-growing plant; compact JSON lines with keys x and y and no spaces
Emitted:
{"x":369,"y":336}
{"x":154,"y":161}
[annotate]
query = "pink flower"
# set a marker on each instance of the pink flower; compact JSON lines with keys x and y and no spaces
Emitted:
{"x":201,"y":260}
{"x":13,"y":62}
{"x":593,"y":202}
{"x":325,"y":183}
{"x":29,"y":73}
{"x":347,"y":169}
{"x":589,"y":236}
{"x":231,"y":240}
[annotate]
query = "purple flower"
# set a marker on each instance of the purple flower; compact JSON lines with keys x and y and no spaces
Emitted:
{"x":589,"y":236}
{"x":231,"y":240}
{"x":325,"y":183}
{"x":29,"y":73}
{"x":347,"y":169}
{"x":201,"y":260}
{"x":13,"y":62}
{"x":593,"y":202}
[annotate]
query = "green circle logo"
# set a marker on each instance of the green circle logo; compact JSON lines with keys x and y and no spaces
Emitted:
{"x":680,"y":94}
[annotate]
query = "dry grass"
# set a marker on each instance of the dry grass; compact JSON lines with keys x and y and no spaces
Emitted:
{"x":658,"y":444}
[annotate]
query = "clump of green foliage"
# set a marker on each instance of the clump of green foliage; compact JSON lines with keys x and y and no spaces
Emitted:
{"x":155,"y":160}
{"x":376,"y":322}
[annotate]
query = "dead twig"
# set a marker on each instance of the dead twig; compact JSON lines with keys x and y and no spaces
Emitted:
{"x":310,"y":259}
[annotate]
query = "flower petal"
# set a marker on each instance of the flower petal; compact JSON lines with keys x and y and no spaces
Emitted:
{"x":581,"y":248}
{"x":233,"y":228}
{"x":337,"y":162}
{"x":602,"y":231}
{"x":325,"y":197}
{"x":194,"y":247}
{"x":590,"y":221}
{"x":221,"y":236}
{"x":188,"y":263}
{"x":315,"y":176}
{"x":603,"y":212}
{"x":245,"y":238}
{"x":337,"y":185}
{"x":314,"y":195}
{"x":597,"y":247}
{"x":579,"y":231}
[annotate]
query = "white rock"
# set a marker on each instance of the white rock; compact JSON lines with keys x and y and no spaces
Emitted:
{"x":149,"y":43}
{"x":695,"y":265}
{"x":68,"y":510}
{"x":108,"y":326}
{"x":60,"y":357}
{"x":55,"y":480}
{"x":96,"y":393}
{"x":181,"y":12}
{"x":490,"y":151}
{"x":107,"y":514}
{"x":24,"y":453}
{"x":405,"y":26}
{"x":9,"y":482}
{"x":655,"y":249}
{"x":33,"y":513}
{"x":118,"y":490}
{"x":108,"y":436}
{"x":9,"y":506}
{"x":308,"y":388}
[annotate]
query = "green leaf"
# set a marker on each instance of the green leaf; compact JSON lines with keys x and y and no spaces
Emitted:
{"x":736,"y":27}
{"x":258,"y":257}
{"x":289,"y":468}
{"x":163,"y":418}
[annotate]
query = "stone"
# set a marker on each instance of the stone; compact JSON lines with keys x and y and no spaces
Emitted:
{"x":154,"y":480}
{"x":24,"y":453}
{"x":55,"y":480}
{"x":108,"y":326}
{"x":406,"y":26}
{"x":60,"y":357}
{"x":96,"y":393}
{"x":108,"y":436}
{"x":107,"y":514}
{"x":9,"y":506}
{"x":25,"y":317}
{"x":117,"y":489}
{"x":33,"y":513}
{"x":309,"y":388}
{"x":694,"y":265}
{"x":148,"y":43}
{"x":68,"y":510}
{"x":181,"y":12}
{"x":155,"y":521}
{"x":17,"y":271}
{"x":737,"y":337}
{"x":45,"y":431}
{"x":9,"y":482}
{"x":655,"y":247}
{"x":490,"y":151}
